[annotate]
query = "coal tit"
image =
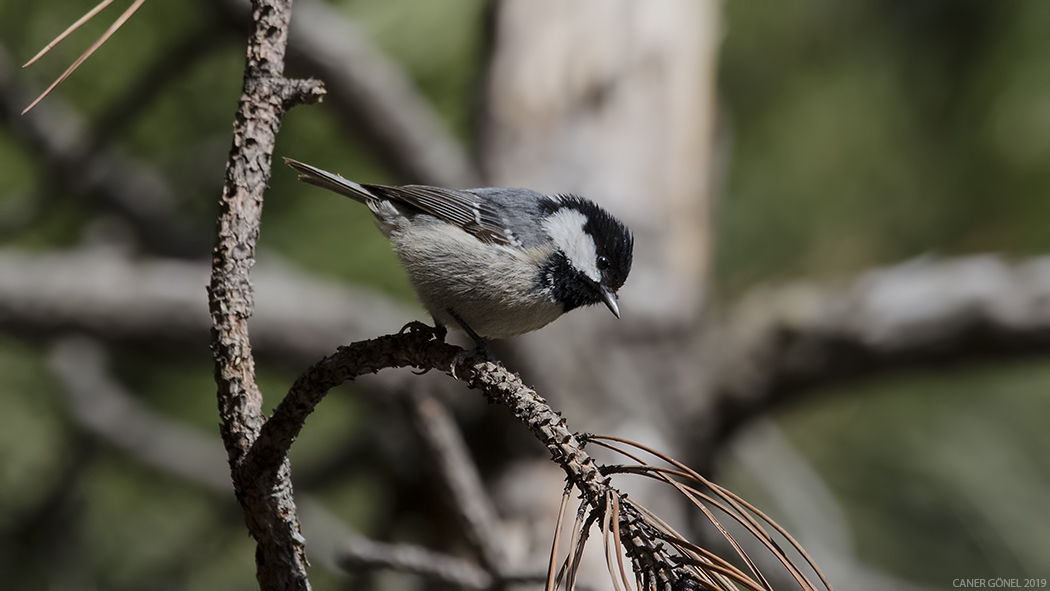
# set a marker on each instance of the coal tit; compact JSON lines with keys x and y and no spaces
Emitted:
{"x":495,"y":262}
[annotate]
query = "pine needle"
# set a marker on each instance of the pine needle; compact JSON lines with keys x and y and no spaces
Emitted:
{"x":551,"y":581}
{"x":616,"y":540}
{"x":577,"y":542}
{"x":94,"y":46}
{"x":607,"y":542}
{"x":73,"y":27}
{"x":723,"y":500}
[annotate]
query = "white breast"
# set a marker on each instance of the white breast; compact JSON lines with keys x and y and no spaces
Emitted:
{"x":493,"y":289}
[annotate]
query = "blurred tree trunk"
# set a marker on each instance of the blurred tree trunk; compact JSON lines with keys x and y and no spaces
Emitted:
{"x":614,"y":100}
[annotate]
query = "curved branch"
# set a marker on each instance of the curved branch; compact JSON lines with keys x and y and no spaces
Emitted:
{"x":781,"y":344}
{"x":101,"y":406}
{"x":418,"y":348}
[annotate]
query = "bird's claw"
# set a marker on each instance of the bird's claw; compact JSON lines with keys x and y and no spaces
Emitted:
{"x":438,"y":331}
{"x":464,"y":356}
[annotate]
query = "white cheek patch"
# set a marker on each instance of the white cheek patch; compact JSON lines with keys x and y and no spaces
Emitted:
{"x":565,"y":227}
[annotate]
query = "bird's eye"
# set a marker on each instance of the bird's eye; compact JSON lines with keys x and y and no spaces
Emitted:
{"x":603,"y":263}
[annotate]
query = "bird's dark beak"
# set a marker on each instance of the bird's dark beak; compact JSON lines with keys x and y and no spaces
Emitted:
{"x":609,"y":297}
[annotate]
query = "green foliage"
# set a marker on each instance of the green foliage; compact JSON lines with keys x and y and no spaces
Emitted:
{"x":33,"y":441}
{"x":940,"y":474}
{"x":877,"y":131}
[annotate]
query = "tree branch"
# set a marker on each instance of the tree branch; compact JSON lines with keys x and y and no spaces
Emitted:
{"x":374,"y":95}
{"x":102,"y":407}
{"x":134,"y":191}
{"x":418,"y":348}
{"x":297,"y":316}
{"x":269,"y":508}
{"x":781,"y":344}
{"x":358,"y":554}
{"x":460,"y":475}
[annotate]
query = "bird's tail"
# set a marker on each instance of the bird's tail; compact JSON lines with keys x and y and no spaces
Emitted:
{"x":327,"y":180}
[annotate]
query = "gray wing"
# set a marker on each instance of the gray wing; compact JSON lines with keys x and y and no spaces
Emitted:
{"x":497,"y":216}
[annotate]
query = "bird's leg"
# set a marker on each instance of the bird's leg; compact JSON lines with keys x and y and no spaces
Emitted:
{"x":480,"y":343}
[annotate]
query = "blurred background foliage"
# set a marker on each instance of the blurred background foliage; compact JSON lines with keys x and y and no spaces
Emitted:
{"x":856,"y":134}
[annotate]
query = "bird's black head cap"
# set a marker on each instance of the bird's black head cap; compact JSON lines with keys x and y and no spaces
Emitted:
{"x":575,"y":280}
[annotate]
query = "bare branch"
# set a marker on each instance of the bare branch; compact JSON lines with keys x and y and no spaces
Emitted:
{"x":374,"y":95}
{"x":459,"y":473}
{"x":783,"y":343}
{"x":362,"y":554}
{"x":418,"y":348}
{"x":297,"y":316}
{"x":99,"y":404}
{"x":269,"y":507}
{"x":130,"y":189}
{"x":153,"y":82}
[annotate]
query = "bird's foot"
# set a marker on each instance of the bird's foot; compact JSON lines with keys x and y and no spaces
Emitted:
{"x":438,"y":332}
{"x":465,"y":356}
{"x":481,"y":345}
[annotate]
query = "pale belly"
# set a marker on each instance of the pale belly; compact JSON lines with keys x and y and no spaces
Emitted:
{"x":494,"y":291}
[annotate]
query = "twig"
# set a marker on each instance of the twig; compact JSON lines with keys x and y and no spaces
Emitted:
{"x":266,"y":498}
{"x":374,"y":95}
{"x":460,"y":475}
{"x":298,"y":317}
{"x":359,"y":554}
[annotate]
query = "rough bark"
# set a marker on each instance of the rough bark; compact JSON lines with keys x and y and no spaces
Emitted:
{"x":103,"y":408}
{"x":266,"y":498}
{"x":642,"y":541}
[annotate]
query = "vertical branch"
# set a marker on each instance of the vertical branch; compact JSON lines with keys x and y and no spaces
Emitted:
{"x":265,"y":496}
{"x":470,"y":501}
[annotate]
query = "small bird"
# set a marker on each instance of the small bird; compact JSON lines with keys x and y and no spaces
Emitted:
{"x":495,"y":262}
